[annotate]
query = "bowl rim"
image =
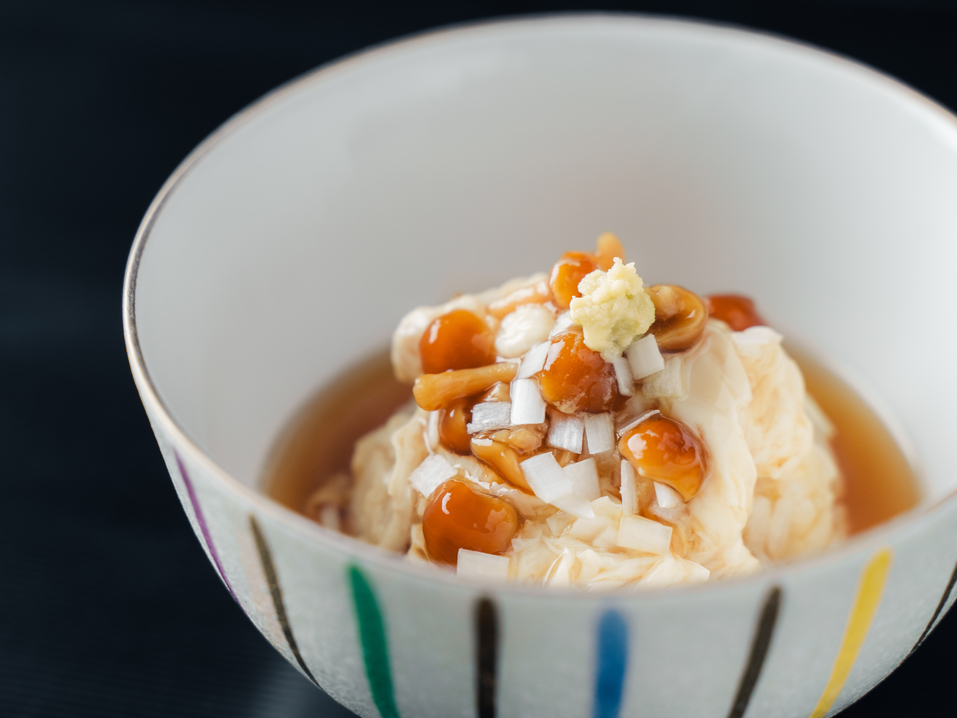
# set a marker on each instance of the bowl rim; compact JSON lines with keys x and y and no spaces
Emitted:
{"x":393,"y":563}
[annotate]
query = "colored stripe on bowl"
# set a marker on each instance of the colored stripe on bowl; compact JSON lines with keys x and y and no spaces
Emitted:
{"x":275,"y":592}
{"x":375,"y":648}
{"x":612,"y":662}
{"x":203,"y":528}
{"x":486,"y":655}
{"x":764,"y":631}
{"x":867,"y":599}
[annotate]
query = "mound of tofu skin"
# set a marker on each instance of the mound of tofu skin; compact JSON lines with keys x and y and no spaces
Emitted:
{"x":578,"y":428}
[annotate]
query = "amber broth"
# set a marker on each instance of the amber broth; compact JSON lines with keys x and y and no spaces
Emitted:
{"x":879,"y":481}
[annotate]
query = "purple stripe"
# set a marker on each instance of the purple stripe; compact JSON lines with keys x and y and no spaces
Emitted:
{"x":198,"y":512}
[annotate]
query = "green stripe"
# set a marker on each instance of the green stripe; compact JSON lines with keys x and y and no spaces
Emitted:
{"x":375,"y":649}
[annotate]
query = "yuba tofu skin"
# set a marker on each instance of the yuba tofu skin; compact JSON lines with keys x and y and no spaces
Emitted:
{"x":622,"y":438}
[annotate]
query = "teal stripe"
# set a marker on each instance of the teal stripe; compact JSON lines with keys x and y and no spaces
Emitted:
{"x":375,"y":648}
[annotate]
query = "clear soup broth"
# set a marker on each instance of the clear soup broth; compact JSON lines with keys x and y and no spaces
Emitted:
{"x":879,"y":481}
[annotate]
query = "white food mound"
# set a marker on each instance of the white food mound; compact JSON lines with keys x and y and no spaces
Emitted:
{"x":771,"y":492}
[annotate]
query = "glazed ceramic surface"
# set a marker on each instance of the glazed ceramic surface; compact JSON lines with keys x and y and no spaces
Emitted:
{"x":290,"y":243}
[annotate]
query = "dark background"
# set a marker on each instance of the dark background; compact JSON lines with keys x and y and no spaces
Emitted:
{"x":108,"y":606}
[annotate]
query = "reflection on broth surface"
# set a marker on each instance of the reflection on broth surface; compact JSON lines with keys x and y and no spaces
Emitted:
{"x":318,"y":442}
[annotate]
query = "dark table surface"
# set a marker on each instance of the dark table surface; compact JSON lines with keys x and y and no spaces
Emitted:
{"x":108,"y":606}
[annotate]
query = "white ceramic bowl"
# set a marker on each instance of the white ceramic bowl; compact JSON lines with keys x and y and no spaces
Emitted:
{"x":292,"y":240}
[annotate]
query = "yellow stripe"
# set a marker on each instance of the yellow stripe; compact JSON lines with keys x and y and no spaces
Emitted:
{"x":870,"y":589}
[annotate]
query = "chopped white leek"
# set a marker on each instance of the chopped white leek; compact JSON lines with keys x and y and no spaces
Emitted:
{"x":490,"y":415}
{"x":626,"y":384}
{"x":584,"y":478}
{"x":644,"y":358}
{"x":566,"y":431}
{"x":528,"y":407}
{"x":475,"y":564}
{"x":667,"y":497}
{"x":625,"y":428}
{"x":545,"y":477}
{"x":641,"y":534}
{"x":575,"y":505}
{"x":668,"y":382}
{"x":432,"y":473}
{"x":629,"y":489}
{"x":533,"y":361}
{"x":600,"y":433}
{"x":563,"y":323}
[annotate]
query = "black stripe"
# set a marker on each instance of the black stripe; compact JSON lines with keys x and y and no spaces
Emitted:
{"x":272,"y":580}
{"x":940,"y":609}
{"x":759,"y":651}
{"x":486,"y":676}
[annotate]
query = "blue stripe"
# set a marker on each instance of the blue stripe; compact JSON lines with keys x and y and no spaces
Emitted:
{"x":612,"y":657}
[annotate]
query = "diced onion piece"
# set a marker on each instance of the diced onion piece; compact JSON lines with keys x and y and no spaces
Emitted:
{"x":575,"y":505}
{"x":566,"y":431}
{"x":490,"y":415}
{"x":629,"y":489}
{"x":600,"y":432}
{"x":559,"y":521}
{"x":668,"y":382}
{"x":645,"y":535}
{"x":563,"y":323}
{"x":528,"y":407}
{"x":329,"y":516}
{"x":625,"y":428}
{"x":533,"y":361}
{"x":545,"y":477}
{"x":431,"y":474}
{"x":623,"y":375}
{"x":584,"y":478}
{"x":607,"y":539}
{"x":475,"y":564}
{"x":644,"y":358}
{"x":667,"y":497}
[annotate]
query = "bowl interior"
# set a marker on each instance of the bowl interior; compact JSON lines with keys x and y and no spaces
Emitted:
{"x":297,"y":238}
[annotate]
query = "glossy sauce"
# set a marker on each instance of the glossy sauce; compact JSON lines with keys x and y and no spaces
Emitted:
{"x":566,"y":275}
{"x":879,"y":482}
{"x":502,"y":459}
{"x":665,"y":450}
{"x":458,"y":517}
{"x":453,"y":423}
{"x":457,"y":340}
{"x":575,"y":378}
{"x":735,"y":310}
{"x":680,"y":317}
